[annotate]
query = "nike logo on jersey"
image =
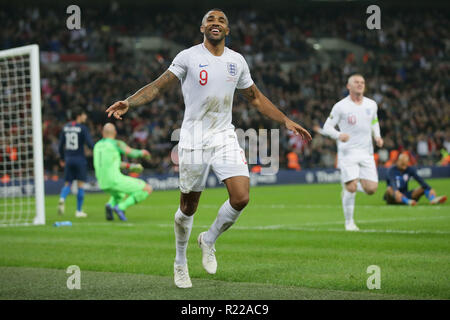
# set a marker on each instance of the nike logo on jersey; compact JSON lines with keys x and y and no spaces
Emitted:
{"x":202,"y":65}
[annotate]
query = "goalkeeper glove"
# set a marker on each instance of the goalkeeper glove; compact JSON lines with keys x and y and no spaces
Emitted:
{"x":136,"y":168}
{"x":145,"y":154}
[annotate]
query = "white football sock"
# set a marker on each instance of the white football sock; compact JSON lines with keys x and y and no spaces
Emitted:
{"x":182,"y":227}
{"x":226,"y":217}
{"x":348,"y":204}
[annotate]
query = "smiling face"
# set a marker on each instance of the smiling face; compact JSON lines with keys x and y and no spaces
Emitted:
{"x":215,"y":26}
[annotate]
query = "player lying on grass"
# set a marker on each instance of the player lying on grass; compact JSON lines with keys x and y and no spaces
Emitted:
{"x":397,"y":181}
{"x":125,"y":191}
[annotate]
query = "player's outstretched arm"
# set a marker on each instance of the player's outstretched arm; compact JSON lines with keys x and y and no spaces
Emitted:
{"x":330,"y":130}
{"x":267,"y":108}
{"x":143,"y":95}
{"x":419,"y":179}
{"x":132,"y":153}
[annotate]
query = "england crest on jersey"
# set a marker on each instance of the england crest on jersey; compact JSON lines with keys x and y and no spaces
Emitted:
{"x":232,"y":68}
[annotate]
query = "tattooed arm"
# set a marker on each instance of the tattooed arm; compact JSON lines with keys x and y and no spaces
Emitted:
{"x":267,"y":108}
{"x":143,"y":95}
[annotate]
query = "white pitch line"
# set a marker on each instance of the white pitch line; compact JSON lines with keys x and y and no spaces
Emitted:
{"x":307,"y":224}
{"x":312,"y":224}
{"x":309,"y":206}
{"x":274,"y":227}
{"x":114,"y":224}
{"x":342,"y":230}
{"x":300,"y":228}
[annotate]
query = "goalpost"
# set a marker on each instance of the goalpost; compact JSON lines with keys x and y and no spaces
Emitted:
{"x":21,"y":152}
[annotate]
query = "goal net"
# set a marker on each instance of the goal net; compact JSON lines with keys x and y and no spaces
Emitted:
{"x":21,"y":164}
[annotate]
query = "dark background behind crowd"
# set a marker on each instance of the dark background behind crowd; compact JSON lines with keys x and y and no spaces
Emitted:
{"x":406,"y":66}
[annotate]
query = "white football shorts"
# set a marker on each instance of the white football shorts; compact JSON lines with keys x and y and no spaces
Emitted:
{"x":226,"y":161}
{"x":359,"y":165}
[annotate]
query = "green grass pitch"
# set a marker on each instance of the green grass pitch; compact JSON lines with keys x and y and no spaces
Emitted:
{"x":289,"y":243}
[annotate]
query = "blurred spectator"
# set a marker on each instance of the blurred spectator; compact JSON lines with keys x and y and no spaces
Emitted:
{"x":406,"y":65}
{"x":292,"y":159}
{"x":422,"y":146}
{"x":445,"y":160}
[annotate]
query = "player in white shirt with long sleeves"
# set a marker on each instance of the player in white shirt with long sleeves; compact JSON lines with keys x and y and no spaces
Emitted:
{"x":356,"y":117}
{"x":209,"y":75}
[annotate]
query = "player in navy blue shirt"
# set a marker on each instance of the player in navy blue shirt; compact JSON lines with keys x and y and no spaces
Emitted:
{"x":72,"y":139}
{"x":397,"y":181}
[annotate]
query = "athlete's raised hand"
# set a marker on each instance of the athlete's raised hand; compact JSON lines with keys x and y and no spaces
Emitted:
{"x":298,"y":130}
{"x":118,"y":109}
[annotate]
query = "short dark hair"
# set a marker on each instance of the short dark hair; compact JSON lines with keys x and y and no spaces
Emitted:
{"x":76,"y":112}
{"x":214,"y":9}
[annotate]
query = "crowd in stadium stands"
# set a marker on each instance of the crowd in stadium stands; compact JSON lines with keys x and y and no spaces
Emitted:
{"x":406,"y":66}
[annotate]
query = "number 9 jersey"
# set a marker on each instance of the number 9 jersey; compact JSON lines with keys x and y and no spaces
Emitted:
{"x":208,"y":83}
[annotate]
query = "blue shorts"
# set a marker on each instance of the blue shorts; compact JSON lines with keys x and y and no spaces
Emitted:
{"x":75,"y":169}
{"x":390,"y":199}
{"x":408,"y":194}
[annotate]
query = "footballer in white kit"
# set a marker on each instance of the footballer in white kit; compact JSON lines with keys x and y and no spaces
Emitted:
{"x":356,"y":117}
{"x":207,"y":138}
{"x":355,"y":156}
{"x":209,"y":74}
